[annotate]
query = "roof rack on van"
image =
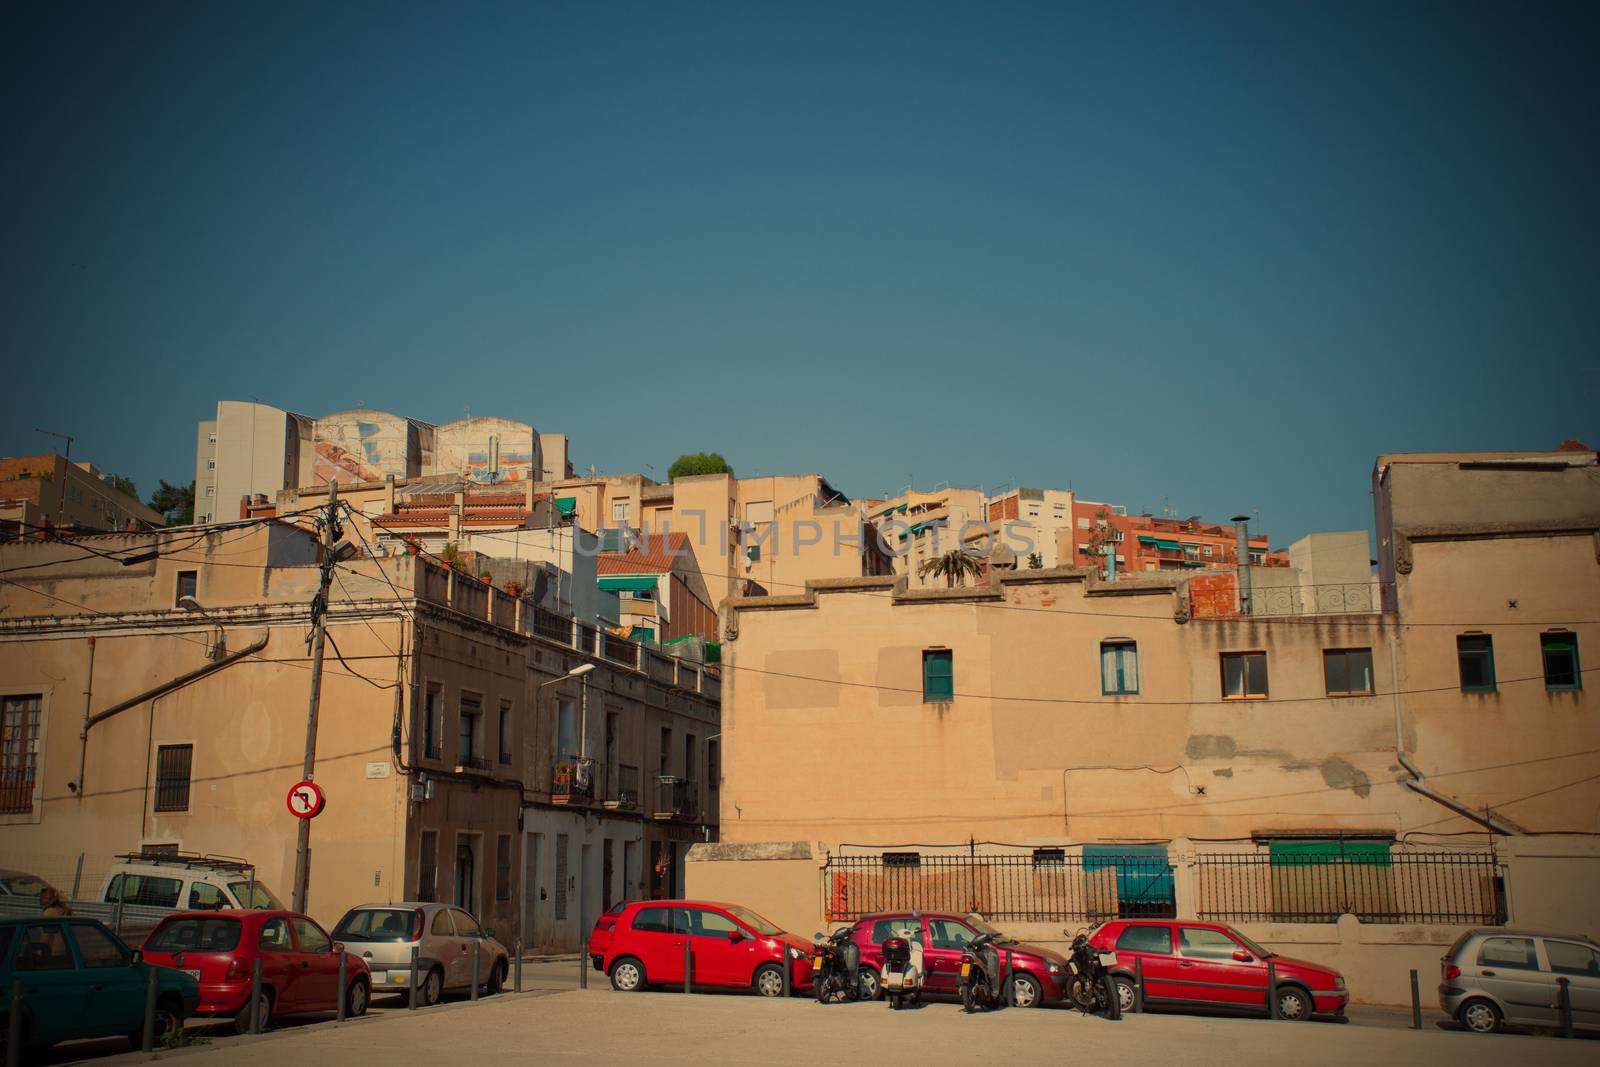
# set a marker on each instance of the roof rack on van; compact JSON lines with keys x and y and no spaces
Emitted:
{"x":208,"y":861}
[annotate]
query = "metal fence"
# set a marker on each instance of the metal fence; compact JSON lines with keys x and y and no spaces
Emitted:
{"x":1393,"y":887}
{"x":1324,"y":599}
{"x":1041,"y":885}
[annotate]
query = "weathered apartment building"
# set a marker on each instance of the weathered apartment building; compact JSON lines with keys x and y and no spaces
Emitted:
{"x":1144,"y":544}
{"x":1351,"y":781}
{"x":51,"y":490}
{"x":153,"y":694}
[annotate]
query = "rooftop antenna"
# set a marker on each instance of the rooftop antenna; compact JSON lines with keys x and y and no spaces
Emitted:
{"x":65,"y":437}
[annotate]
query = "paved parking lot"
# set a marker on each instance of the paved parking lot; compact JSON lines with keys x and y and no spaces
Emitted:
{"x":553,"y":1020}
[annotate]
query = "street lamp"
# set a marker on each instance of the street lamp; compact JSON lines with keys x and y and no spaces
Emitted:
{"x":219,"y":649}
{"x":579,"y":671}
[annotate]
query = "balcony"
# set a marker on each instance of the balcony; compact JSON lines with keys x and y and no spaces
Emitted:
{"x":572,"y":781}
{"x":468,"y":762}
{"x":623,"y":794}
{"x":676,"y":798}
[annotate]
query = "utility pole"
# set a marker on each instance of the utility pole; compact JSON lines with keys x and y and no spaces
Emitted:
{"x":319,"y":636}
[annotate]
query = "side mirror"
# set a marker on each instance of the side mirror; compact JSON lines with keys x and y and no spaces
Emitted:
{"x":138,"y":956}
{"x":1242,"y":956}
{"x":488,"y":932}
{"x":817,"y":936}
{"x":735,"y":936}
{"x":338,"y":946}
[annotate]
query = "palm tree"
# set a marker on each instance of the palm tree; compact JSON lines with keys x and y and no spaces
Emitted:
{"x":955,"y":565}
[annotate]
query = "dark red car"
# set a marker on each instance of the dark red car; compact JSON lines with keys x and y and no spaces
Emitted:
{"x":642,"y":943}
{"x":299,"y":963}
{"x":1041,"y":973}
{"x":1212,"y":965}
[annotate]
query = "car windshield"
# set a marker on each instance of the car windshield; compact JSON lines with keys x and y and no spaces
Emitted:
{"x":254,"y":895}
{"x":195,"y":935}
{"x":375,"y":924}
{"x":754,"y":921}
{"x":22,"y":885}
{"x":1260,"y":953}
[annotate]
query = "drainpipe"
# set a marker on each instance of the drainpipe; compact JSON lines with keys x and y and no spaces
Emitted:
{"x":1241,"y":531}
{"x":88,"y":692}
{"x":150,"y":694}
{"x":1414,"y":783}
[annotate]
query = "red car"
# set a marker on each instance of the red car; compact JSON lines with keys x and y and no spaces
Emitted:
{"x":1041,"y":973}
{"x":641,"y":943}
{"x":1213,"y":965}
{"x":299,"y":963}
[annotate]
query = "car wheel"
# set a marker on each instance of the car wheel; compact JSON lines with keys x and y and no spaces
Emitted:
{"x":1025,"y":991}
{"x":355,"y":1004}
{"x":1293,"y":1004}
{"x":241,"y":1021}
{"x":497,"y":980}
{"x":871,"y":988}
{"x":1479,"y":1016}
{"x":168,"y":1018}
{"x":1127,"y":1001}
{"x":769,"y":980}
{"x":627,"y":975}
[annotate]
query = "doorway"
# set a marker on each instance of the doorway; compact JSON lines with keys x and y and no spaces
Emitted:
{"x":466,"y":875}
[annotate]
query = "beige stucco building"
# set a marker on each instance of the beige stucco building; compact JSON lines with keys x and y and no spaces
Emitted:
{"x":452,"y":769}
{"x":1275,"y":770}
{"x":50,"y":490}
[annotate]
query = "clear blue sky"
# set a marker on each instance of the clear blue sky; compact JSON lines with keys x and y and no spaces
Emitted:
{"x":1219,"y":255}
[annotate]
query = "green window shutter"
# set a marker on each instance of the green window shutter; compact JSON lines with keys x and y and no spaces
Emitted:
{"x":938,"y":675}
{"x":1298,"y":853}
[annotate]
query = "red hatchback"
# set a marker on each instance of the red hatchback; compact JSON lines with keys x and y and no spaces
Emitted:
{"x":1041,"y":973}
{"x":1213,"y":965}
{"x":643,"y":943}
{"x":299,"y":963}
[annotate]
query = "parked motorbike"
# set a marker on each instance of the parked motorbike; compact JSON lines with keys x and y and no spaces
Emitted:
{"x":1092,"y":988}
{"x":981,"y":985}
{"x":835,"y":967}
{"x":902,"y":971}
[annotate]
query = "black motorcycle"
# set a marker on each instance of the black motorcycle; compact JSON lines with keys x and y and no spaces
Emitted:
{"x":1092,"y":989}
{"x":836,"y":967}
{"x":980,"y":975}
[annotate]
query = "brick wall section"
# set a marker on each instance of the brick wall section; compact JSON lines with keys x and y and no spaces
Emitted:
{"x":1214,"y":596}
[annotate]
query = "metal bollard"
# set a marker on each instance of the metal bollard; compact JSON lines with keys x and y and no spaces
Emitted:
{"x":411,"y":1001}
{"x":517,"y":982}
{"x":1564,"y":1002}
{"x":255,"y":996}
{"x":1416,"y":1003}
{"x":788,"y":974}
{"x":583,"y":965}
{"x":1008,"y":984}
{"x":476,"y":954}
{"x":344,"y":978}
{"x":14,"y":1028}
{"x":1138,"y":983}
{"x":688,"y":966}
{"x":1272,"y":990}
{"x":147,"y":1042}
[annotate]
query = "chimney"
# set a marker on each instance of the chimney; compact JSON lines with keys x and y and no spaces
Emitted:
{"x":1241,"y":531}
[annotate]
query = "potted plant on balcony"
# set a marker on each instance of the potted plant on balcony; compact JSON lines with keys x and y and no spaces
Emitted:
{"x":515,"y":589}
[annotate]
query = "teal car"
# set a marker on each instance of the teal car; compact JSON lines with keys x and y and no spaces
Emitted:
{"x":80,"y":981}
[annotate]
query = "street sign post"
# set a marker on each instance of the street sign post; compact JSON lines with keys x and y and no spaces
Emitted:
{"x":306,"y":800}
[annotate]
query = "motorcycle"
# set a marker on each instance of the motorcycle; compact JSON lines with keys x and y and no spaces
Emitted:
{"x":981,"y":986}
{"x":1092,"y":988}
{"x":902,"y":971}
{"x":835,"y":967}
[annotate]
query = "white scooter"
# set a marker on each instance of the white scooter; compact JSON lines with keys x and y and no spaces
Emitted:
{"x":902,"y":971}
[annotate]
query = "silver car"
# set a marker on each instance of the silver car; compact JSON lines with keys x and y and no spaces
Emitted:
{"x":445,"y":938}
{"x":1491,"y":977}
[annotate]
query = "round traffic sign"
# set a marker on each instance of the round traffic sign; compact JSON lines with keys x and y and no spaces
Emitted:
{"x":306,"y":800}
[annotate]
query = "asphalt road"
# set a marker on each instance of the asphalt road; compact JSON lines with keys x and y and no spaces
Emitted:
{"x":388,"y":1020}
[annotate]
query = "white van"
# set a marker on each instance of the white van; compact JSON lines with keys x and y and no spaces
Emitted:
{"x":144,"y":888}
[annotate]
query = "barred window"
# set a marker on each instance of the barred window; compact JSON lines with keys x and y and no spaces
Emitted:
{"x":427,"y":865}
{"x":19,"y":743}
{"x":172,"y":777}
{"x":502,"y":868}
{"x":902,"y":859}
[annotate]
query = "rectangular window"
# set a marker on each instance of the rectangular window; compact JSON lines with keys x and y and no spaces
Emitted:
{"x":1560,"y":650}
{"x":713,"y":764}
{"x":1475,"y":655}
{"x":172,"y":777}
{"x":938,"y":675}
{"x":431,"y":726}
{"x":1119,"y":668}
{"x":188,"y":585}
{"x":1049,"y":857}
{"x":505,"y":731}
{"x":619,"y":511}
{"x":19,"y":744}
{"x":664,"y":758}
{"x":502,"y":867}
{"x":688,"y":756}
{"x":1244,"y":675}
{"x":469,"y":747}
{"x":902,"y":859}
{"x":428,"y":865}
{"x":1347,"y":672}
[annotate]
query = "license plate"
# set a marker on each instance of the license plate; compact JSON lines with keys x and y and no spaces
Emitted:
{"x":1073,"y":966}
{"x":193,"y":973}
{"x":399,"y":977}
{"x":816,"y":963}
{"x":966,"y":969}
{"x":1108,"y":959}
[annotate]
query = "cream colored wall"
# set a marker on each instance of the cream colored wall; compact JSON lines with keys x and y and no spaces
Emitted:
{"x":779,"y":881}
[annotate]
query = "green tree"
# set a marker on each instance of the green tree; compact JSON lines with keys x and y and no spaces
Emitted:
{"x":1102,"y":540}
{"x":123,"y":485}
{"x":692,"y":463}
{"x":175,"y":502}
{"x":954,"y":566}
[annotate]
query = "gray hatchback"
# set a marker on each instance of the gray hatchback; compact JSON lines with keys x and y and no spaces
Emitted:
{"x":1491,"y":977}
{"x":446,"y":939}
